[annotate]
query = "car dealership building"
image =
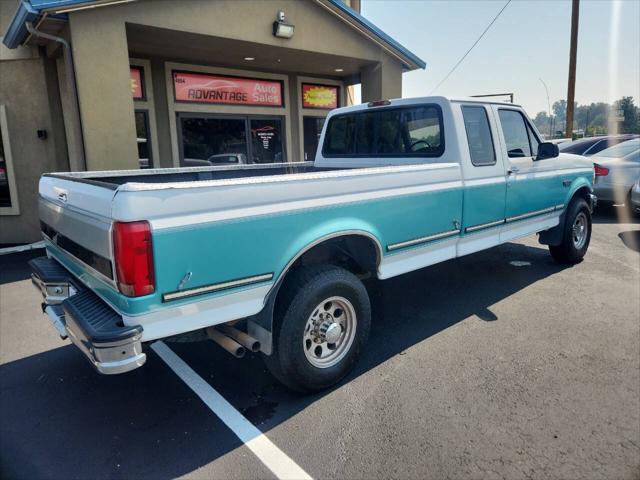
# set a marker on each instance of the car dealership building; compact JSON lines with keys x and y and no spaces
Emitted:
{"x":103,"y":85}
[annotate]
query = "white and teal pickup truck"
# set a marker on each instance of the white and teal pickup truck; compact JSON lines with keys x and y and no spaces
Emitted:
{"x":271,"y":258}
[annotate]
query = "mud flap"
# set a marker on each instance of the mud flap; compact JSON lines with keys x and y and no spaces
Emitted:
{"x":554,"y":235}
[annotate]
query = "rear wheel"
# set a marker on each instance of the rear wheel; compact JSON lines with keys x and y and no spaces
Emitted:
{"x":322,"y":322}
{"x":576,"y":234}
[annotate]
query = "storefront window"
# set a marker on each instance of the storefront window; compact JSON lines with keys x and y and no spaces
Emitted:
{"x":312,"y":128}
{"x":5,"y":194}
{"x":237,"y":139}
{"x":208,"y":141}
{"x":144,"y":140}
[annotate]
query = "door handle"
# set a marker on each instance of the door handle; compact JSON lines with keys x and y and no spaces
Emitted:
{"x":513,"y":169}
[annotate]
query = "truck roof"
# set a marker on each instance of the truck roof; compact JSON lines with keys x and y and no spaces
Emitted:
{"x":428,"y":99}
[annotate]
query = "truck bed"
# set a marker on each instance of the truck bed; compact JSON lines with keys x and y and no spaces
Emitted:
{"x":112,"y":179}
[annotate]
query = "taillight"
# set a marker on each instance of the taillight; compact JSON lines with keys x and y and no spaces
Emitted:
{"x":133,"y":253}
{"x":600,"y":171}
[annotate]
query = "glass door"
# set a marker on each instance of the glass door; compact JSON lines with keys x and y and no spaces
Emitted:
{"x":266,"y":140}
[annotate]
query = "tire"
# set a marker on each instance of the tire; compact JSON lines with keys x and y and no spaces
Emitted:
{"x":573,"y":248}
{"x":299,"y":331}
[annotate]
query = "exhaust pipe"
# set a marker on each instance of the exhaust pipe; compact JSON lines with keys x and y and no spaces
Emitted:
{"x":230,"y":345}
{"x":242,"y":338}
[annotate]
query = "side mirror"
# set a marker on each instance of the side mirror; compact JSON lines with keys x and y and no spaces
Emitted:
{"x":547,"y":150}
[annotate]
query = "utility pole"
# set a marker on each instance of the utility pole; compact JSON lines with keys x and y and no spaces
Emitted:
{"x":571,"y":88}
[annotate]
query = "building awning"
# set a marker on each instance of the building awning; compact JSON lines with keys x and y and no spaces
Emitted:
{"x":34,"y":10}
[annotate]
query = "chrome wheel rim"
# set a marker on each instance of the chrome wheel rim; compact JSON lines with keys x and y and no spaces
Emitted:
{"x":579,"y":231}
{"x":329,"y":332}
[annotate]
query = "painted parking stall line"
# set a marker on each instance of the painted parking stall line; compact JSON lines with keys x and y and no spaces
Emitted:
{"x":274,"y":459}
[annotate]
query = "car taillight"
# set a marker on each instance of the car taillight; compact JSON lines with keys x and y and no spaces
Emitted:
{"x":133,"y":253}
{"x":600,"y":171}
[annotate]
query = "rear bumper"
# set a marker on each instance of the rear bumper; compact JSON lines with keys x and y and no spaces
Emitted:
{"x":92,"y":325}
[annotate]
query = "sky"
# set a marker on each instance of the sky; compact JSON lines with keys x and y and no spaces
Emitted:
{"x":528,"y":42}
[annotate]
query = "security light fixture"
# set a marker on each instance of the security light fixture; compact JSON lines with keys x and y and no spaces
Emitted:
{"x":249,"y":59}
{"x":338,"y":70}
{"x":282,"y":29}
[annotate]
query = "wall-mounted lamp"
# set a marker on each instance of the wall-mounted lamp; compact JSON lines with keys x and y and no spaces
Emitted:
{"x":282,"y":29}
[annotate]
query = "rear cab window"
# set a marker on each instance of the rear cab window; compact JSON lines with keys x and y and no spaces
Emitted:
{"x":415,"y":131}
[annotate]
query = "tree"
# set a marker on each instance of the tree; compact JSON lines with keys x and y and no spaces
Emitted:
{"x":542,"y":122}
{"x":560,"y":110}
{"x":630,"y":112}
{"x":560,"y":116}
{"x":595,"y":118}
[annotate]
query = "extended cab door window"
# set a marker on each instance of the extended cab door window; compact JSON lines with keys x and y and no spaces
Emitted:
{"x":476,"y":124}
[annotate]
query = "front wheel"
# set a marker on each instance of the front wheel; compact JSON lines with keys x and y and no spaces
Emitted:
{"x":576,"y":234}
{"x":321,"y":323}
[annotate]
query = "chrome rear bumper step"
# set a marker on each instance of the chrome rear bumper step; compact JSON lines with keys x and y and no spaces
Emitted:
{"x":92,"y":325}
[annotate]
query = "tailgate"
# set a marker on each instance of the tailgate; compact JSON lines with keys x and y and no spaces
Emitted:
{"x":75,"y":216}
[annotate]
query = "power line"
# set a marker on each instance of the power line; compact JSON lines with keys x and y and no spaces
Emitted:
{"x":472,"y":46}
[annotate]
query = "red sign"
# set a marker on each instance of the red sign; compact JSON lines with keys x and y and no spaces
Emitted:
{"x":204,"y":88}
{"x":319,"y":96}
{"x":136,"y":83}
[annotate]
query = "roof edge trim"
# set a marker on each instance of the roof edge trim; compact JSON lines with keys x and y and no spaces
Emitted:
{"x":17,"y":33}
{"x":360,"y":23}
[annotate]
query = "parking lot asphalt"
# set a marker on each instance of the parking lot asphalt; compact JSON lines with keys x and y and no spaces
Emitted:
{"x":501,"y":364}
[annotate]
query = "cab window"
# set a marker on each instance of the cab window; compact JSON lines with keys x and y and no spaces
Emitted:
{"x":386,"y":132}
{"x":340,"y":136}
{"x":516,"y":135}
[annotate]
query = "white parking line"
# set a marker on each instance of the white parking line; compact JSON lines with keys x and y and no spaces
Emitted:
{"x":274,"y":458}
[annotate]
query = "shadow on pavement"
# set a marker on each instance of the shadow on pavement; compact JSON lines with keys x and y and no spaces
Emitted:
{"x":13,"y":267}
{"x":631,"y":239}
{"x":60,"y":419}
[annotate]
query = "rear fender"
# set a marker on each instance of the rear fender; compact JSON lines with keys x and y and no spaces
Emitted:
{"x":260,"y":326}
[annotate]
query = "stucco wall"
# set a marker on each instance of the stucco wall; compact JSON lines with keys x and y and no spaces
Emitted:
{"x":101,"y":60}
{"x":27,"y":87}
{"x":382,"y":81}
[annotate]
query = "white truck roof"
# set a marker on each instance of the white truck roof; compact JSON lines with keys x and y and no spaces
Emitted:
{"x":428,"y":99}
